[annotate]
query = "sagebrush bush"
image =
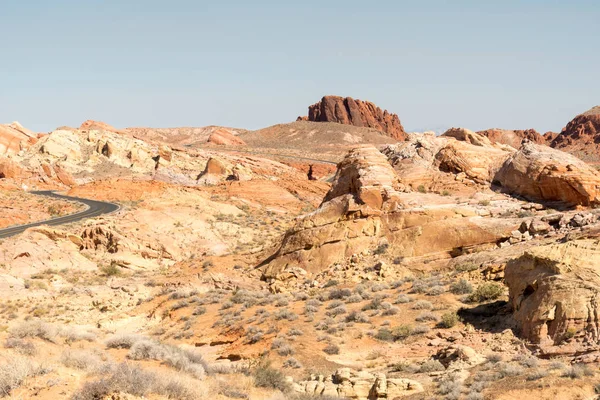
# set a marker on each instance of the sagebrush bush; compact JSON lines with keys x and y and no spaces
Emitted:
{"x":356,"y":316}
{"x":123,"y":341}
{"x":82,"y":359}
{"x":422,"y":305}
{"x":332,"y":349}
{"x":15,"y":371}
{"x":463,"y":286}
{"x":431,"y":366}
{"x":486,"y":292}
{"x":292,"y":363}
{"x":21,"y":346}
{"x":266,"y":376}
{"x":449,"y":320}
{"x":339,"y":293}
{"x":180,"y":359}
{"x":427,"y":316}
{"x":130,"y":379}
{"x":402,"y":299}
{"x":34,"y":328}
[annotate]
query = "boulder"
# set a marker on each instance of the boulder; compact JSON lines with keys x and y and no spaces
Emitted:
{"x":540,"y":173}
{"x":355,"y":112}
{"x":554,"y":292}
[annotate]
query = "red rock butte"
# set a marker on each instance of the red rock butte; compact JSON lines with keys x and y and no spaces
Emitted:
{"x":355,"y":112}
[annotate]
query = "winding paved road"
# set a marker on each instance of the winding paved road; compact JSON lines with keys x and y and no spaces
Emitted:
{"x":95,"y":208}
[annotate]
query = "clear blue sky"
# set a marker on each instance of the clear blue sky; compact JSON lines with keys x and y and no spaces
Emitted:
{"x":250,"y":64}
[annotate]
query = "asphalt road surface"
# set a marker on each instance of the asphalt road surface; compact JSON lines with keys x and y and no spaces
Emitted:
{"x":95,"y":208}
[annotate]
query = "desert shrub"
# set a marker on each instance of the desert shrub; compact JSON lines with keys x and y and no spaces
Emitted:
{"x":310,"y":309}
{"x":374,"y":304}
{"x":332,"y":349}
{"x":577,"y":371}
{"x":180,"y":359}
{"x":180,"y":304}
{"x":421,"y":189}
{"x":34,"y":328}
{"x":431,"y":366}
{"x":402,"y":299}
{"x":292,"y":363}
{"x":537,"y":374}
{"x":285,"y":314}
{"x":526,"y":361}
{"x":378,"y":287}
{"x":390,"y":311}
{"x":227,"y":305}
{"x":122,"y":341}
{"x":422,"y":305}
{"x":135,"y":381}
{"x":381,"y":249}
{"x":355,"y":298}
{"x":339,"y":293}
{"x":397,"y":284}
{"x":449,"y":320}
{"x":21,"y":346}
{"x":486,"y":292}
{"x":334,"y":304}
{"x":73,"y":334}
{"x":330,"y":283}
{"x":83,"y":360}
{"x":285,"y":350}
{"x":15,"y":371}
{"x":436,"y":290}
{"x":199,"y":310}
{"x":266,"y":376}
{"x":420,"y":329}
{"x":295,"y":332}
{"x":254,"y":334}
{"x":427,"y":316}
{"x":508,"y":369}
{"x":466,"y":267}
{"x":392,"y":335}
{"x":463,"y":286}
{"x":336,"y":311}
{"x":494,"y":358}
{"x":356,"y":316}
{"x":111,"y":269}
{"x":182,"y":294}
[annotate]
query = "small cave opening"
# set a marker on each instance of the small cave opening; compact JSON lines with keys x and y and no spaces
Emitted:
{"x":529,"y":290}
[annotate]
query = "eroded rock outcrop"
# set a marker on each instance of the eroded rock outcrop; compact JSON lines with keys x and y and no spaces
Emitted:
{"x":512,"y":138}
{"x":363,"y":209}
{"x":224,"y":137}
{"x":350,"y":384}
{"x":554,"y":292}
{"x":355,"y":112}
{"x":14,"y":138}
{"x":582,"y":134}
{"x":459,"y":154}
{"x":540,"y":173}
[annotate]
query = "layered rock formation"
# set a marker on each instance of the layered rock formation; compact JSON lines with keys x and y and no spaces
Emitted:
{"x":581,"y":135}
{"x":457,"y":157}
{"x":355,"y":112}
{"x":513,"y":138}
{"x":350,"y":384}
{"x":224,"y":138}
{"x":555,"y":293}
{"x":540,"y":173}
{"x":14,"y":137}
{"x":363,"y":209}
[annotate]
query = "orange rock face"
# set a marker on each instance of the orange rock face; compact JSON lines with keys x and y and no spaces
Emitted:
{"x":355,"y":112}
{"x":223,"y":137}
{"x":14,"y":137}
{"x":513,"y":138}
{"x":541,"y":173}
{"x":581,"y":135}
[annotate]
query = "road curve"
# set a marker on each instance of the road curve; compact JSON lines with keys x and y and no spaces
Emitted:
{"x":95,"y":208}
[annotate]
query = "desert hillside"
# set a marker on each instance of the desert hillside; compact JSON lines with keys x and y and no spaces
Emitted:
{"x":309,"y":260}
